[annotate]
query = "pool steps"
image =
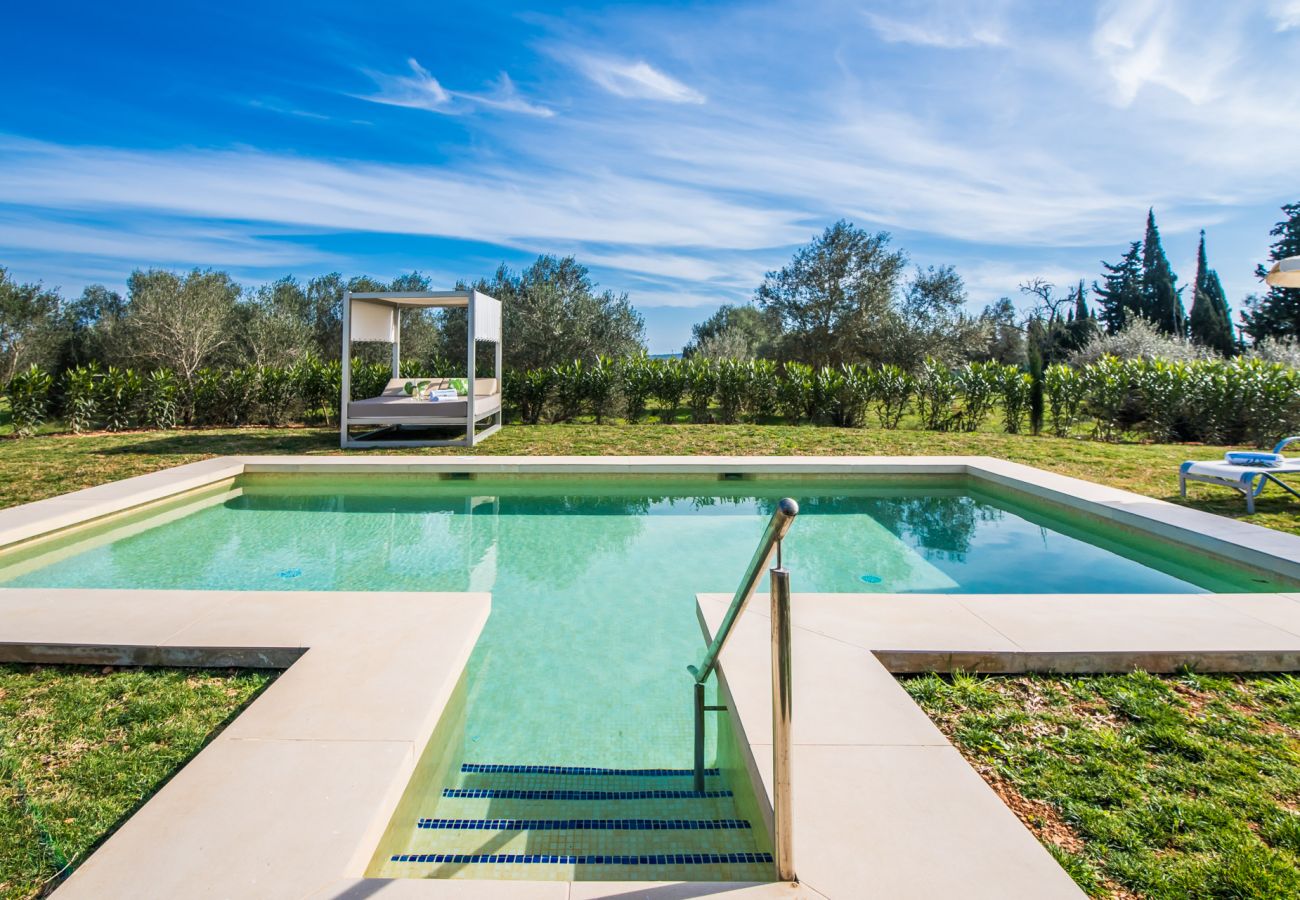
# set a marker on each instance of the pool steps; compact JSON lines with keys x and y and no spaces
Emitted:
{"x":584,"y":823}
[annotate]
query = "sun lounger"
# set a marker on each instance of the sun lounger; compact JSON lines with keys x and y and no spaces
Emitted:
{"x":1250,"y":480}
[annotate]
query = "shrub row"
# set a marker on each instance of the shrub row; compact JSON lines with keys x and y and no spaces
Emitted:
{"x":1215,"y":401}
{"x":92,"y":398}
{"x":1211,"y":400}
{"x":760,"y":390}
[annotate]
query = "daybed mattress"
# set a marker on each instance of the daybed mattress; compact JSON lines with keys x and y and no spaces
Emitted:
{"x":394,"y":404}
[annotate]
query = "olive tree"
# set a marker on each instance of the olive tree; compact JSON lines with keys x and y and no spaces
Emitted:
{"x":180,"y":322}
{"x":834,"y":302}
{"x":30,"y":326}
{"x":552,"y":314}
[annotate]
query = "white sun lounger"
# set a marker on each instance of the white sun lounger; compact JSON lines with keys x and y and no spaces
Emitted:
{"x":1250,"y":480}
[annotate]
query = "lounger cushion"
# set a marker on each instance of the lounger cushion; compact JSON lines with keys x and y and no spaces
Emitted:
{"x":1222,"y":470}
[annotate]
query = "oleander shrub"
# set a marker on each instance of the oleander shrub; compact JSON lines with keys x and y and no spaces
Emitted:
{"x":1107,"y":386}
{"x":527,"y":392}
{"x":1162,"y":388}
{"x":318,"y":385}
{"x":1269,"y":397}
{"x":980,"y":385}
{"x":206,"y":404}
{"x":369,"y":379}
{"x":701,"y":384}
{"x":794,"y":392}
{"x":277,"y":392}
{"x":824,"y":395}
{"x":534,"y":392}
{"x":161,"y":401}
{"x":239,"y":393}
{"x":570,"y":390}
{"x":733,"y":378}
{"x":413,"y":368}
{"x":81,"y":396}
{"x":1063,"y":388}
{"x":600,"y":383}
{"x":892,"y":389}
{"x":670,"y":380}
{"x":1016,"y":390}
{"x":120,"y":393}
{"x":1211,"y":402}
{"x":937,"y":391}
{"x":761,"y":389}
{"x":638,"y":386}
{"x":854,"y":395}
{"x":29,"y":399}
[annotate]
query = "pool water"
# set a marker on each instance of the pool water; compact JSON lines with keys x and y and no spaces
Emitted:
{"x":593,"y":580}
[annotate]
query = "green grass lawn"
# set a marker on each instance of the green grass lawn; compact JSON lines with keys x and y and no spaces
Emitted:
{"x":43,"y":466}
{"x":1143,"y":786}
{"x":82,"y":747}
{"x":1183,"y":787}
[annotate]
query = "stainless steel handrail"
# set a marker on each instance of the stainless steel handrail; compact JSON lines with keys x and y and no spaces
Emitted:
{"x":782,"y":697}
{"x":777,"y":526}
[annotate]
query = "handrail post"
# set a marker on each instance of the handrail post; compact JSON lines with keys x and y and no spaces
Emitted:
{"x":699,"y":737}
{"x":782,"y":814}
{"x":769,"y":544}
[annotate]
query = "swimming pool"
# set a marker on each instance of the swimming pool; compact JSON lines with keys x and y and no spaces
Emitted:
{"x":593,"y":579}
{"x":578,"y":684}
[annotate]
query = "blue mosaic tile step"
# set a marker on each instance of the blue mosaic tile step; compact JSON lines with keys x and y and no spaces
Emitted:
{"x":666,"y":859}
{"x":584,"y":824}
{"x":515,"y":794}
{"x":479,"y":768}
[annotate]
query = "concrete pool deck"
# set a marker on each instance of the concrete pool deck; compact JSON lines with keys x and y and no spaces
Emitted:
{"x":880,"y":795}
{"x":291,"y":798}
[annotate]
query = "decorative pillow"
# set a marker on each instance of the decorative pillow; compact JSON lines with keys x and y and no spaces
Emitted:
{"x":459,"y":385}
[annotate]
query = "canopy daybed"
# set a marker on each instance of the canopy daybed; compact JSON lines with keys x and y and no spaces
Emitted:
{"x":405,"y":406}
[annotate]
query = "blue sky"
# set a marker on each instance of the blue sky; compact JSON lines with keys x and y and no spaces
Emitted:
{"x":680,"y":150}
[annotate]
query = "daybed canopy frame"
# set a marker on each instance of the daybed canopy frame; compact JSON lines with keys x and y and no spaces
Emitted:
{"x":377,"y":316}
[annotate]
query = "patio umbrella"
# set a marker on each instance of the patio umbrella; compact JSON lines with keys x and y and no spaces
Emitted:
{"x":1285,"y":273}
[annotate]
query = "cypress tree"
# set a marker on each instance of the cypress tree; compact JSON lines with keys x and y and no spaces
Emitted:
{"x":1161,"y":302}
{"x":1277,"y":313}
{"x":1035,"y":377}
{"x":1120,"y":294}
{"x":1210,"y":320}
{"x":1083,"y":325}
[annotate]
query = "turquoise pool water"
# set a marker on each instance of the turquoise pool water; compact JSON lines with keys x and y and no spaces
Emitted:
{"x":593,"y":581}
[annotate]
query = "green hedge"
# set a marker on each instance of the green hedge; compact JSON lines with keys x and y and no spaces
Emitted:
{"x":1215,"y":401}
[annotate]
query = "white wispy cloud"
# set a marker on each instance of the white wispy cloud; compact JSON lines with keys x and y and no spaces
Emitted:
{"x":420,"y":90}
{"x":1184,"y":49}
{"x":1285,"y":13}
{"x":636,"y":79}
{"x":152,"y":242}
{"x":506,"y":97}
{"x":950,"y":24}
{"x":503,"y":205}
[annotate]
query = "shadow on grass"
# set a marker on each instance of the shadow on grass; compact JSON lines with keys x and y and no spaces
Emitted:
{"x":220,"y":443}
